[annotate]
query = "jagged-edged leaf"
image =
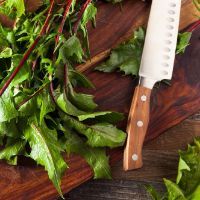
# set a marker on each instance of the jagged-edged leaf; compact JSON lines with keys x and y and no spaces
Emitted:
{"x":82,"y":101}
{"x":108,"y":116}
{"x":96,"y":157}
{"x":45,"y":104}
{"x":98,"y":135}
{"x":7,"y":108}
{"x":183,"y":42}
{"x":127,"y":56}
{"x":46,"y":151}
{"x":71,"y":48}
{"x":89,"y":14}
{"x":11,"y":151}
{"x":190,"y":179}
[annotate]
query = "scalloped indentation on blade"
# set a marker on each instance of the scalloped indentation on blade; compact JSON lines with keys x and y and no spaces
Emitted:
{"x":161,"y":39}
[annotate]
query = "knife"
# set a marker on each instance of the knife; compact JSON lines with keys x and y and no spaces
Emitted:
{"x":156,"y":64}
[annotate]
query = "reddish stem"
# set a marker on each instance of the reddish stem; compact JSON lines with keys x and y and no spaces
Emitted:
{"x":29,"y":98}
{"x":51,"y":92}
{"x":81,"y":14}
{"x":60,"y":29}
{"x":196,"y":25}
{"x":29,"y":51}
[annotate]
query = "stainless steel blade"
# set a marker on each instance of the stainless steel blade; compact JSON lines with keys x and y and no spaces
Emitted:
{"x":160,"y":42}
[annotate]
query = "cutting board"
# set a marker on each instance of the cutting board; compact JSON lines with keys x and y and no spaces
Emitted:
{"x":170,"y":104}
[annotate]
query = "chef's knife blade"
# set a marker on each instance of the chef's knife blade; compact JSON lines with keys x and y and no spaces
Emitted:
{"x":156,"y":64}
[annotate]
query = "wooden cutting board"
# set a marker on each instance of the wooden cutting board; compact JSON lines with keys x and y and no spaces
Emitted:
{"x":170,"y":105}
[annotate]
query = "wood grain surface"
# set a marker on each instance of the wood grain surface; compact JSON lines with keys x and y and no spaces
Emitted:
{"x":169,"y":106}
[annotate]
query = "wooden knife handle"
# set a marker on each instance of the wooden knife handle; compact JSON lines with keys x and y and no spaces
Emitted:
{"x":136,"y":128}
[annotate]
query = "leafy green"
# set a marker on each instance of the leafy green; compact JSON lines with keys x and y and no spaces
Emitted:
{"x":82,"y":101}
{"x":67,"y":106}
{"x":98,"y":135}
{"x":42,"y":114}
{"x":71,"y":48}
{"x":187,"y":186}
{"x":10,"y":129}
{"x":6,"y":53}
{"x":18,"y":5}
{"x":153,"y":193}
{"x":111,"y":117}
{"x":96,"y":157}
{"x":183,"y":42}
{"x":127,"y":56}
{"x":45,"y":149}
{"x":7,"y":108}
{"x":10,"y":152}
{"x":174,"y":192}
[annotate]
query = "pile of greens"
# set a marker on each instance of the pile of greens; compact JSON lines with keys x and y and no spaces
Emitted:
{"x":41,"y":114}
{"x":187,"y":186}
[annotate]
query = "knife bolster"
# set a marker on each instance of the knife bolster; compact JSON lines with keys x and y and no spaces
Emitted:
{"x":147,"y":82}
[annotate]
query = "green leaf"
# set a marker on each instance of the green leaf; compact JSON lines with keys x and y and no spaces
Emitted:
{"x":195,"y":195}
{"x":183,"y":42}
{"x":68,"y":107}
{"x":98,"y":135}
{"x":45,"y":104}
{"x":7,"y":108}
{"x":71,"y":49}
{"x":18,"y":4}
{"x":95,"y":157}
{"x":174,"y":192}
{"x":126,"y":57}
{"x":107,"y":116}
{"x":190,"y":180}
{"x":46,"y":150}
{"x":77,"y":78}
{"x":6,"y":53}
{"x":10,"y":129}
{"x":89,"y":14}
{"x":23,"y":74}
{"x":82,"y":101}
{"x":11,"y":151}
{"x":181,"y":166}
{"x":153,"y":193}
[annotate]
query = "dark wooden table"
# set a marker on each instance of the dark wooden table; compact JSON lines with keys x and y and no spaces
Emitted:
{"x":160,"y":161}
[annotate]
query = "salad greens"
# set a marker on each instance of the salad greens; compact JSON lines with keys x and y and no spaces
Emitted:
{"x":42,"y":116}
{"x":187,"y":186}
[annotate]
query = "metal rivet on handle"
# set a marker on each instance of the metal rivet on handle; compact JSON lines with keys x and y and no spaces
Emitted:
{"x":143,"y":98}
{"x":135,"y":157}
{"x":140,"y":124}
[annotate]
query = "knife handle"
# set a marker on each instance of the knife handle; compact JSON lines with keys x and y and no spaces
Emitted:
{"x":136,"y":128}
